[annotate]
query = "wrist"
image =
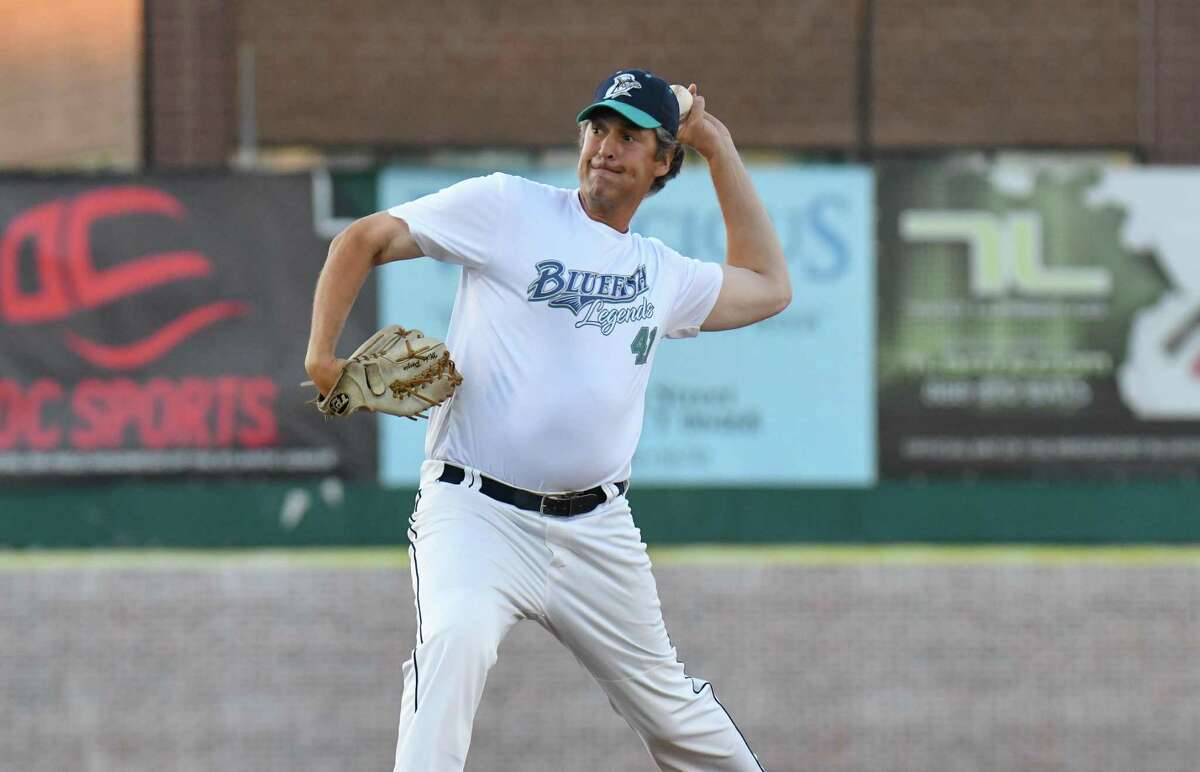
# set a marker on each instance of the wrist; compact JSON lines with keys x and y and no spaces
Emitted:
{"x":315,"y":360}
{"x":719,"y":151}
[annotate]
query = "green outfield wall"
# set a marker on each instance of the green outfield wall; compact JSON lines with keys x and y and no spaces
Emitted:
{"x":283,"y":513}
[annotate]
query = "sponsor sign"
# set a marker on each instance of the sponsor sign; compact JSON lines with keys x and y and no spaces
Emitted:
{"x":1039,"y":319}
{"x":158,"y":325}
{"x":789,"y":401}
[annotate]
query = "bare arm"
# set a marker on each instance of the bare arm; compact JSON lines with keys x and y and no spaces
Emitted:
{"x":366,"y":243}
{"x":756,"y":283}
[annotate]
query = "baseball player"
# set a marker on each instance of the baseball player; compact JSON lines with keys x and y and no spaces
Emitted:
{"x":521,"y":512}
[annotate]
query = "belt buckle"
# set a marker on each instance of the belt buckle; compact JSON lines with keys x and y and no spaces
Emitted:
{"x":568,"y":506}
{"x":556,"y":506}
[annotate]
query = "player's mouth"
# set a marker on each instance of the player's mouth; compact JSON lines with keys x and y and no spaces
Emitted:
{"x":606,"y":170}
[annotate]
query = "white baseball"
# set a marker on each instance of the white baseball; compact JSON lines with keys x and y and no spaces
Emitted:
{"x":685,"y":99}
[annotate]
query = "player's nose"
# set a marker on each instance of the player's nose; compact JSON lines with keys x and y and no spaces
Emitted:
{"x":608,"y":146}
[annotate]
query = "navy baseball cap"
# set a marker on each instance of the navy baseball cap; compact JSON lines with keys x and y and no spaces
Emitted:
{"x":643,"y":98}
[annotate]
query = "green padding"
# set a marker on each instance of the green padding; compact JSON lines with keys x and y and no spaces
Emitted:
{"x":198,"y":514}
{"x":993,"y":512}
{"x":280,"y":513}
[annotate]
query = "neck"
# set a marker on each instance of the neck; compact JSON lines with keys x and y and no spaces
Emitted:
{"x":614,"y":216}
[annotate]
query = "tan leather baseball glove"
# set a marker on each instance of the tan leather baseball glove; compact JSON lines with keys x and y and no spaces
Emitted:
{"x":396,"y":371}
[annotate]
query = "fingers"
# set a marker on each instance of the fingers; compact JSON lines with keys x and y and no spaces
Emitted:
{"x":696,"y":113}
{"x":698,"y":129}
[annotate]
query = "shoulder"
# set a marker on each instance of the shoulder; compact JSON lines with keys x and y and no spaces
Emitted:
{"x":494,"y":182}
{"x":529,"y":189}
{"x":659,"y":249}
{"x":675,"y":265}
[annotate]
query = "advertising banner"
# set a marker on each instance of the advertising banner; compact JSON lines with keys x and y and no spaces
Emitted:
{"x":786,"y":402}
{"x":1038,"y":319}
{"x":158,"y":325}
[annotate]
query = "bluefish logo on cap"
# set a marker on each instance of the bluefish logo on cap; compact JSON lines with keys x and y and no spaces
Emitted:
{"x":644,"y":99}
{"x":623,"y":83}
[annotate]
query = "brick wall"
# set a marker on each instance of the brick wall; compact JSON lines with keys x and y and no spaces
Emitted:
{"x":944,"y":73}
{"x":479,"y":72}
{"x":193,"y":82}
{"x":1019,"y":72}
{"x":69,"y":91}
{"x":1171,"y":99}
{"x":396,"y":74}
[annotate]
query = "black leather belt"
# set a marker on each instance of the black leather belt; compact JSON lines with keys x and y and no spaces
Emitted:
{"x":560,"y":505}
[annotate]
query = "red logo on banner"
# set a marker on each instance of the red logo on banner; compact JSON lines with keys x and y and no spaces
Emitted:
{"x":68,"y":280}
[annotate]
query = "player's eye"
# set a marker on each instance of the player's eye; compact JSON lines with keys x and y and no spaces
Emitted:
{"x":628,"y":137}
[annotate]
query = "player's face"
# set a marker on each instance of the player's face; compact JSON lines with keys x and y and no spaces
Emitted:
{"x":616,"y":162}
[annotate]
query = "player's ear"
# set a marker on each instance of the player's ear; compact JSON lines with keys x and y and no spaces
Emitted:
{"x":664,"y":166}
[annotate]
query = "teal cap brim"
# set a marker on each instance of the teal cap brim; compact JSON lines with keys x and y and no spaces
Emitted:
{"x":635,"y":116}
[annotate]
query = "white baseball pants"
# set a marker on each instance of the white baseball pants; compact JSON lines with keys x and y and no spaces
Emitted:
{"x":479,"y":566}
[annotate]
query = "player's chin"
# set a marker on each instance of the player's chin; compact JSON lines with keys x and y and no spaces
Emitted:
{"x":600,"y":191}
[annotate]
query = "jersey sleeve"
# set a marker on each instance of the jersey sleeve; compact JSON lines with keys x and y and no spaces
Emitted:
{"x":699,"y":283}
{"x":461,"y":224}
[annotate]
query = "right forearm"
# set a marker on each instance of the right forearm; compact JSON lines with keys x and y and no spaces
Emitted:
{"x":346,"y":268}
{"x":751,"y":240}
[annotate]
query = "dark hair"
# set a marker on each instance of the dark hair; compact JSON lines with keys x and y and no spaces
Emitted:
{"x":665,"y":145}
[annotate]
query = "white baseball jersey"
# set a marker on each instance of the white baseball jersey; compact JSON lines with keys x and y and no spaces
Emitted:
{"x":555,"y":328}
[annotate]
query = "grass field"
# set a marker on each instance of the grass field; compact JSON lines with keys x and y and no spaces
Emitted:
{"x":773,"y":554}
